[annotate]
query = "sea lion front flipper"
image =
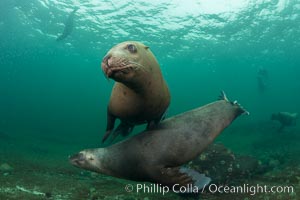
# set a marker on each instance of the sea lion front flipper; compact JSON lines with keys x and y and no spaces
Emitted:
{"x":109,"y":125}
{"x":182,"y":176}
{"x":123,"y":129}
{"x":153,"y":123}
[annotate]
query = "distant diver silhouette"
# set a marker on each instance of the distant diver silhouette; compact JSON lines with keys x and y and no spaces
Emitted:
{"x":262,"y":79}
{"x":68,"y":26}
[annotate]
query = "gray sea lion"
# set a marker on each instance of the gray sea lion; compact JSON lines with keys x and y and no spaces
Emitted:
{"x":285,"y":119}
{"x":156,"y":155}
{"x":68,"y":26}
{"x":140,"y":94}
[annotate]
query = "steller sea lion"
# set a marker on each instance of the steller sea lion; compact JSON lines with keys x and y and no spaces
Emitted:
{"x":68,"y":26}
{"x":140,"y":94}
{"x":156,"y":155}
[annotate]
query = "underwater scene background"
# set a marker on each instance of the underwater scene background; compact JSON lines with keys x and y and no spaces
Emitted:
{"x":53,"y":94}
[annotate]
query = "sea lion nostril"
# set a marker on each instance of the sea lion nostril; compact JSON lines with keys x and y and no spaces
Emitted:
{"x":106,"y":58}
{"x":80,"y":156}
{"x":77,"y":157}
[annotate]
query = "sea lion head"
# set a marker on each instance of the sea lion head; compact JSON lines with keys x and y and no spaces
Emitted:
{"x":127,"y":61}
{"x":89,"y":159}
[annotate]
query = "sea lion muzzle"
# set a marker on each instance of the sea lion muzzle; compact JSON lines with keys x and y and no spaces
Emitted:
{"x":105,"y":65}
{"x":105,"y":60}
{"x":111,"y":65}
{"x":77,"y":159}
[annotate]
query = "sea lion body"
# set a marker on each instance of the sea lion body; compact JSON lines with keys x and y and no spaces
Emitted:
{"x":156,"y":155}
{"x":68,"y":26}
{"x":140,"y":94}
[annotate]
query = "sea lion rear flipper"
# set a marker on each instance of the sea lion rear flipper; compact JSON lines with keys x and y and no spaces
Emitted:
{"x":182,"y":177}
{"x":199,"y":180}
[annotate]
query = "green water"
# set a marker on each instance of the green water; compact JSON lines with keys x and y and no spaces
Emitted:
{"x":53,"y":94}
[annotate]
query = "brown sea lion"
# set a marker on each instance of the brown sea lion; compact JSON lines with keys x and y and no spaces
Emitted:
{"x":156,"y":155}
{"x":140,"y":94}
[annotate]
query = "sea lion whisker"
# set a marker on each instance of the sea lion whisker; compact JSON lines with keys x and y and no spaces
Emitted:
{"x":119,"y":61}
{"x":122,"y":62}
{"x":136,"y":65}
{"x":120,"y":68}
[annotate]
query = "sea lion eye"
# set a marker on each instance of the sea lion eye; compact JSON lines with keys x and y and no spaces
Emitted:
{"x":131,"y":48}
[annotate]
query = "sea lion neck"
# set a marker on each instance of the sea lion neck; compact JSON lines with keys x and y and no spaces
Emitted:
{"x":138,"y":87}
{"x":146,"y":83}
{"x":101,"y":161}
{"x":110,"y":161}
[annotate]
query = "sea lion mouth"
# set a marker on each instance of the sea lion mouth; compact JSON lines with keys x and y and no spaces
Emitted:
{"x":77,"y":159}
{"x":113,"y":65}
{"x":111,"y":72}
